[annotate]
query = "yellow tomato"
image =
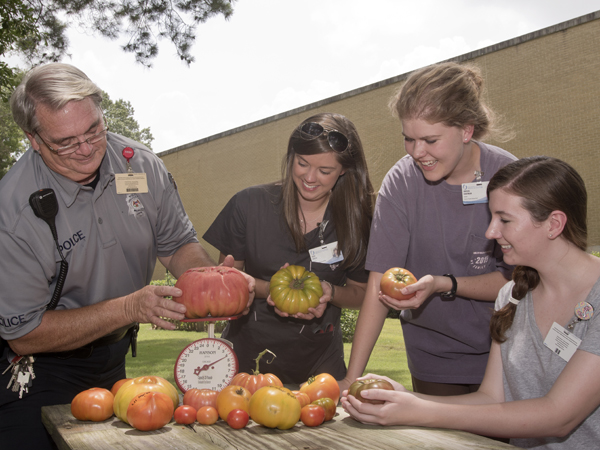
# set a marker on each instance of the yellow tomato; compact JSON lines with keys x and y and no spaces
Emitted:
{"x":232,"y":397}
{"x":139,"y":385}
{"x":275,"y":407}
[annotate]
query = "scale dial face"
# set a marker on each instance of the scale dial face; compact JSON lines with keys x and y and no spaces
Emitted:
{"x":208,"y":363}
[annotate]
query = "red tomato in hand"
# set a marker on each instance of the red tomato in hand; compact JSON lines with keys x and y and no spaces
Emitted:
{"x":302,"y":397}
{"x":323,"y":385}
{"x":197,"y":398}
{"x":150,"y":411}
{"x":207,"y":415}
{"x":396,"y":279}
{"x":185,"y":414}
{"x":328,"y":406}
{"x":312,"y":415}
{"x":360,"y":385}
{"x":95,"y":404}
{"x":232,"y":397}
{"x":218,"y":291}
{"x":237,"y":418}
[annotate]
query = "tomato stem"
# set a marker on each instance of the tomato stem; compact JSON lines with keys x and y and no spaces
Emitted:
{"x":260,"y":355}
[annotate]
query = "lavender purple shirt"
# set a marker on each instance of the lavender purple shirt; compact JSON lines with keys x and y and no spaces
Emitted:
{"x":425,"y":228}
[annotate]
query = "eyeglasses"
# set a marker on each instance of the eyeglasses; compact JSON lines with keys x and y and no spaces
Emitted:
{"x":337,"y":141}
{"x":68,"y":149}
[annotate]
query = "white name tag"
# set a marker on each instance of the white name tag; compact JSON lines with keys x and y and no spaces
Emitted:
{"x":562,"y":342}
{"x":326,"y":254}
{"x":474,"y":192}
{"x":131,"y":183}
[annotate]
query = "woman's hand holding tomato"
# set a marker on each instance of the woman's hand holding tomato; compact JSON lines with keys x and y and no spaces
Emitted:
{"x":416,"y":293}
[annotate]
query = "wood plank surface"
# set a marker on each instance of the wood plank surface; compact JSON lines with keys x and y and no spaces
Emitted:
{"x":342,"y":432}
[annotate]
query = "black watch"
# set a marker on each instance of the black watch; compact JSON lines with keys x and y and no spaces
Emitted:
{"x":452,"y":292}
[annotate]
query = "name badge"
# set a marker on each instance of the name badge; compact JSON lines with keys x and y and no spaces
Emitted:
{"x":326,"y":254}
{"x":473,"y":193}
{"x":562,"y":342}
{"x":131,"y":183}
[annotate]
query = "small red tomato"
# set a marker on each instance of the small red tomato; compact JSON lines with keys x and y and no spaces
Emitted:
{"x":237,"y":418}
{"x":328,"y":405}
{"x":312,"y":415}
{"x":185,"y":414}
{"x":394,"y":280}
{"x":207,"y":415}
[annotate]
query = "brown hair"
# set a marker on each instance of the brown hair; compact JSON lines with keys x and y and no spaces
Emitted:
{"x":351,"y":198}
{"x":449,"y":93}
{"x":545,"y":184}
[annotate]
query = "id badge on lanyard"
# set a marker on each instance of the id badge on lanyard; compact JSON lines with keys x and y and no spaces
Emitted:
{"x":473,"y":193}
{"x":130,"y":182}
{"x":325,"y":253}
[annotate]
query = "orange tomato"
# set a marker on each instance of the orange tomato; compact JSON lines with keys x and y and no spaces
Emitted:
{"x":115,"y":388}
{"x":394,"y":280}
{"x":232,"y":397}
{"x":320,"y":386}
{"x":95,"y":404}
{"x":302,"y":397}
{"x":150,"y":411}
{"x":207,"y":415}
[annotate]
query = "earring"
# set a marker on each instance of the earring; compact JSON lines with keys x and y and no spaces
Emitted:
{"x":549,"y":235}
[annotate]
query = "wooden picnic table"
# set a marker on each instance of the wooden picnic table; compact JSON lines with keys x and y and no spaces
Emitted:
{"x":342,"y":432}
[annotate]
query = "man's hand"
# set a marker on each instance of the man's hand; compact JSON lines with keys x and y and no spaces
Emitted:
{"x":150,"y":305}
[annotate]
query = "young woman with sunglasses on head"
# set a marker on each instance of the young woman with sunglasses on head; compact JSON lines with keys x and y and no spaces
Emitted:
{"x":324,"y":199}
{"x":541,"y":386}
{"x":424,"y":222}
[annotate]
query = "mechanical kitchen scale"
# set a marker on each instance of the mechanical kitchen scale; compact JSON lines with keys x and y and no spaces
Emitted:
{"x":208,"y":363}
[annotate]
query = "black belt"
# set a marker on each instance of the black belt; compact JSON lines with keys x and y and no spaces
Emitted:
{"x":112,"y":338}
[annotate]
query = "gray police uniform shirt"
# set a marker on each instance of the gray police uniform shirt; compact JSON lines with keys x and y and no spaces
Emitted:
{"x":530,"y":369}
{"x":425,"y":228}
{"x":111,"y":241}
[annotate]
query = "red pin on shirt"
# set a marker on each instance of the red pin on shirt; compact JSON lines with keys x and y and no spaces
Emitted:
{"x":128,"y":154}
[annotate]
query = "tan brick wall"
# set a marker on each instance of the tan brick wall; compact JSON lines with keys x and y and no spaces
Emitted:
{"x":546,"y":84}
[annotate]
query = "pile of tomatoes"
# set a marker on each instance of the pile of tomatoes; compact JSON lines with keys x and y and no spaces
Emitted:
{"x":149,"y":403}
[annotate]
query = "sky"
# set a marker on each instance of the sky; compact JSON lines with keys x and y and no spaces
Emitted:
{"x":275,"y":55}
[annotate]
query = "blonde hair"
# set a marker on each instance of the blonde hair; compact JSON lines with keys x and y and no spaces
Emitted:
{"x":451,"y":94}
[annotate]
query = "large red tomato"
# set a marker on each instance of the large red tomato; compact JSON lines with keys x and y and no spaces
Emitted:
{"x":360,"y":385}
{"x":200,"y":397}
{"x":320,"y":386}
{"x":232,"y":397}
{"x":138,"y":385}
{"x":258,"y":380}
{"x":95,"y":404}
{"x":394,"y":280}
{"x":150,"y":411}
{"x":275,"y":407}
{"x":218,"y":291}
{"x":294,"y":289}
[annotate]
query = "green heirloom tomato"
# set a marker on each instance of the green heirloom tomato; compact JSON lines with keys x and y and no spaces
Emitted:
{"x":294,"y":289}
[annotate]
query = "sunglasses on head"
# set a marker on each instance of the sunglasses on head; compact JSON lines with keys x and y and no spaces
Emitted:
{"x":337,"y":141}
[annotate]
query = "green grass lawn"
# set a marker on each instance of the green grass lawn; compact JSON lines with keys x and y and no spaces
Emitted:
{"x":158,"y":350}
